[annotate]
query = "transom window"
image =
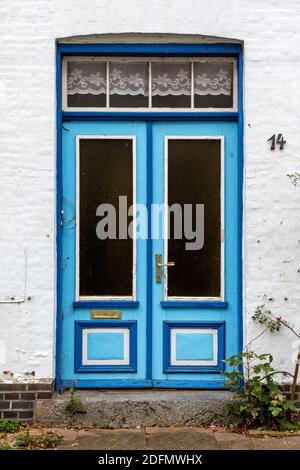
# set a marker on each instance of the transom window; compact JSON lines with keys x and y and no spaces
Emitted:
{"x":188,"y":84}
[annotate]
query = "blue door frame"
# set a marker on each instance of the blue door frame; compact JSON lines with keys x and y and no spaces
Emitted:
{"x":225,"y":50}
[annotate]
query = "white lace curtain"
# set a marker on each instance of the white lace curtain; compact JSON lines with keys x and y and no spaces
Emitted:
{"x":129,"y":78}
{"x":171,"y":79}
{"x":86,"y":77}
{"x":211,"y":78}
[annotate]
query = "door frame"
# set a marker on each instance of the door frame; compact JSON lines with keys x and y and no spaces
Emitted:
{"x":146,"y":50}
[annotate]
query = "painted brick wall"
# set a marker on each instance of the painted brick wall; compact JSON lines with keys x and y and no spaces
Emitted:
{"x":28,"y":29}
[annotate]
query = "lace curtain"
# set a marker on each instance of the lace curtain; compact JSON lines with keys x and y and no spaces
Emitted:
{"x":168,"y":79}
{"x":171,"y":79}
{"x":212,"y":78}
{"x":128,"y":78}
{"x":86,"y":77}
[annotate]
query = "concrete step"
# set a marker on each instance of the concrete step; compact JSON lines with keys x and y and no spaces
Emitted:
{"x":130,"y":409}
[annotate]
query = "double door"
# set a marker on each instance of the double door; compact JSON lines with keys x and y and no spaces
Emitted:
{"x":149,"y":253}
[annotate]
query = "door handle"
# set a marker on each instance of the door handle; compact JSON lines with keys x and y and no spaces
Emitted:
{"x":159,"y":265}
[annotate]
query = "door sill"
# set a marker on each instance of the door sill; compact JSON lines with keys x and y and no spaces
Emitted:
{"x":136,"y":384}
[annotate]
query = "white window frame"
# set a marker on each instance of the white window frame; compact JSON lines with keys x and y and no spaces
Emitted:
{"x":166,"y":218}
{"x":105,"y":137}
{"x":148,"y":60}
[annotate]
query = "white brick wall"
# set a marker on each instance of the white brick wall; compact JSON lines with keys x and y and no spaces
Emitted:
{"x":28,"y":29}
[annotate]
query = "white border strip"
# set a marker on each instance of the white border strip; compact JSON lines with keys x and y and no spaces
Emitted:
{"x":105,"y":362}
{"x":110,"y":137}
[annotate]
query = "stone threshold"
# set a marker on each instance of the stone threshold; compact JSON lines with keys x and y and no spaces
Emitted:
{"x":138,"y":408}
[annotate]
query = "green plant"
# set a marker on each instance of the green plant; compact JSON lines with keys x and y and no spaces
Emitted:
{"x":266,"y":318}
{"x":75,"y":405}
{"x":104,"y":425}
{"x":24,"y":440}
{"x":51,"y":440}
{"x":9,"y":426}
{"x":4,"y":446}
{"x":259,"y":402}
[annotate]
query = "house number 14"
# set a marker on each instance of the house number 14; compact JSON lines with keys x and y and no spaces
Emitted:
{"x":279,"y":141}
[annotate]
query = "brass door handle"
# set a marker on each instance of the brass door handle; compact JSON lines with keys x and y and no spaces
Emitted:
{"x":159,"y":265}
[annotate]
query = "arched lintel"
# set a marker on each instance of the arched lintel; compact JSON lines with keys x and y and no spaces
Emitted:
{"x":147,"y":38}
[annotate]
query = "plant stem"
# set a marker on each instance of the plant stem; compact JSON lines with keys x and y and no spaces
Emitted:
{"x":284,"y":323}
{"x":284,"y":372}
{"x":294,"y":383}
{"x":256,"y":337}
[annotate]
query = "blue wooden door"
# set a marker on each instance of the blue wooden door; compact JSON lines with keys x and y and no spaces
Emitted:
{"x":103,"y":290}
{"x":127,"y":321}
{"x":196,"y":304}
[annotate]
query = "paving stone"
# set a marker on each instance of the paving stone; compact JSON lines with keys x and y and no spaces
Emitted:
{"x":232,"y":441}
{"x":68,"y":434}
{"x":179,"y":439}
{"x":155,"y":438}
{"x":293,"y":442}
{"x":68,"y":447}
{"x":269,"y":443}
{"x":121,"y":439}
{"x":155,"y":430}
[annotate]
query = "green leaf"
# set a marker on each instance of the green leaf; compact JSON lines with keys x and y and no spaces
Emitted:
{"x":289,"y":405}
{"x":275,"y":411}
